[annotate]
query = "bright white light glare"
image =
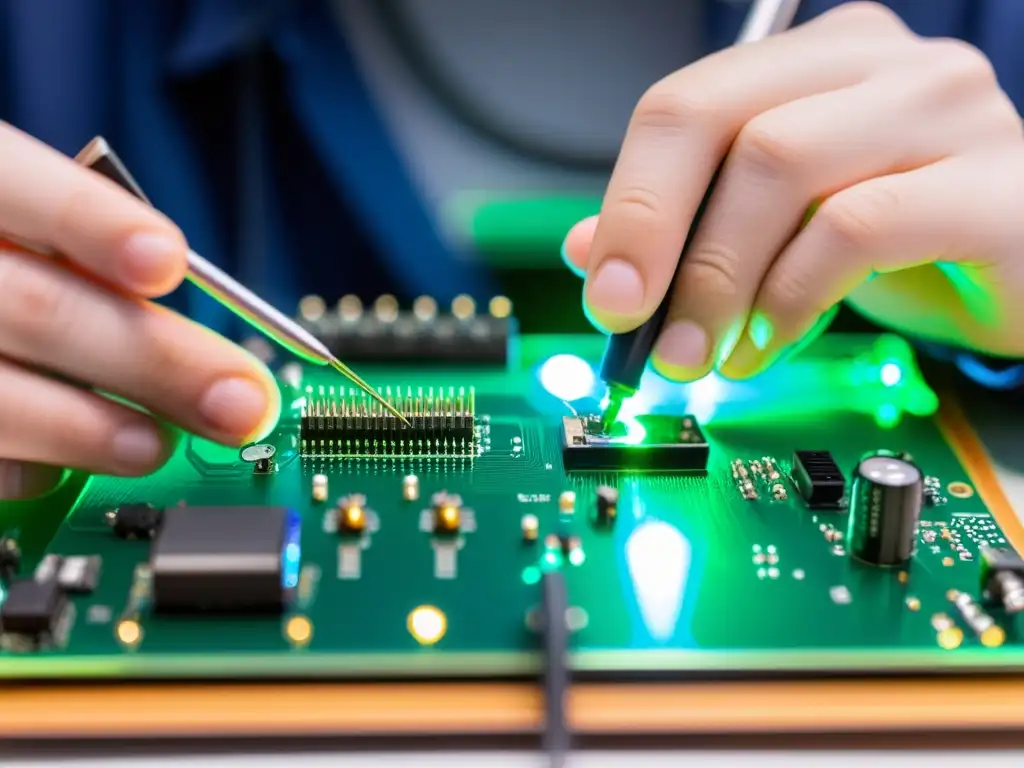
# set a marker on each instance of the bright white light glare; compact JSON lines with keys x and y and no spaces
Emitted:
{"x":703,"y":397}
{"x":567,"y":377}
{"x":658,"y":558}
{"x":891,"y":374}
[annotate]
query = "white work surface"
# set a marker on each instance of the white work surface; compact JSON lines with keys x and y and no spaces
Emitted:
{"x":998,"y":421}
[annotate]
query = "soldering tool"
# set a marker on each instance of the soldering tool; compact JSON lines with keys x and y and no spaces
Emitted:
{"x":626,"y":354}
{"x":98,"y":156}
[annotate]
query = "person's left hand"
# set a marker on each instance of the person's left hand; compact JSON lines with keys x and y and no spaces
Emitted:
{"x":913,"y":151}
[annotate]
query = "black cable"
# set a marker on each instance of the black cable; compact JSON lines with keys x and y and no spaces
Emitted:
{"x":556,"y":671}
{"x":415,"y":52}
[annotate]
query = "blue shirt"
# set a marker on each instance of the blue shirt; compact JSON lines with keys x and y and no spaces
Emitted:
{"x":296,"y":187}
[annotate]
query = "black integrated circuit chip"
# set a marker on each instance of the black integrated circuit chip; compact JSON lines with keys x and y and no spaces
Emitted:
{"x":666,"y":444}
{"x":33,"y":608}
{"x":225,"y":559}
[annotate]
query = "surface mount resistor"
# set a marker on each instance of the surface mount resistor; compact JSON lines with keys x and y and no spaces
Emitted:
{"x":567,"y":502}
{"x":410,"y":488}
{"x":530,"y":526}
{"x":320,"y":489}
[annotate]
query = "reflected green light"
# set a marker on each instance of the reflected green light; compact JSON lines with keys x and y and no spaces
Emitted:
{"x":531,"y":575}
{"x":567,"y":377}
{"x":635,"y":432}
{"x":577,"y":557}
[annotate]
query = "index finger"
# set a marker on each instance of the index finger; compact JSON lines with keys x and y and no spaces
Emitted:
{"x":678,"y":134}
{"x":48,"y":198}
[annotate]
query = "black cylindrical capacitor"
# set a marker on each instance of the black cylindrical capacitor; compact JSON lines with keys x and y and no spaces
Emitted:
{"x":885,"y":506}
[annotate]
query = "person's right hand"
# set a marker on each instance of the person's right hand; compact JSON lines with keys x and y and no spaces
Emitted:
{"x":64,"y":339}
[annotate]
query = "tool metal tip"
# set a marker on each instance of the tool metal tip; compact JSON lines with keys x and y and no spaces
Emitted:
{"x":351,"y":375}
{"x":612,"y":409}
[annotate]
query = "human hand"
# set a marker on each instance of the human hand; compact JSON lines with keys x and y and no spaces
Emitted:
{"x":914,"y":153}
{"x":58,"y":327}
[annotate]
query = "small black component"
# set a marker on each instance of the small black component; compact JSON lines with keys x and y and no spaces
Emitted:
{"x":412,"y":338}
{"x":443,"y":425}
{"x":136,"y":521}
{"x":819,"y":479}
{"x":228,"y":559}
{"x":1002,"y":578}
{"x":671,"y":444}
{"x":32,"y":608}
{"x":885,"y":506}
{"x":556,"y":671}
{"x":607,"y":504}
{"x":10,"y":558}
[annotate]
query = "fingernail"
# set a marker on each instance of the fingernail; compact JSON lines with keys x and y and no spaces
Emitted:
{"x":616,"y":289}
{"x":683,"y":344}
{"x":744,"y":361}
{"x":236,"y":407}
{"x":150,"y":258}
{"x":138,"y":445}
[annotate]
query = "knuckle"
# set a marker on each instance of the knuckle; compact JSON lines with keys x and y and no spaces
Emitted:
{"x":640,"y":205}
{"x":790,"y":296}
{"x":766,"y":148}
{"x":959,"y":63}
{"x":669,"y":107}
{"x":869,"y":16}
{"x":856,"y":219}
{"x":37,"y":308}
{"x":712,"y":269}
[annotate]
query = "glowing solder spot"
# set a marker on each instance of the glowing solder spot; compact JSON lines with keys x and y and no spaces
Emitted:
{"x":427,"y":624}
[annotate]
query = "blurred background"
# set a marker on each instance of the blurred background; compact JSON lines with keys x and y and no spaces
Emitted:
{"x":365,"y":147}
{"x":350,"y":147}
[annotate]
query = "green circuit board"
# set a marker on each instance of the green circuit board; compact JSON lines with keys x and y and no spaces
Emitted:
{"x":715,"y":574}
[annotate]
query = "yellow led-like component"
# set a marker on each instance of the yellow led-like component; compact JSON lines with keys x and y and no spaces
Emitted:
{"x":427,"y":624}
{"x":386,"y":308}
{"x":950,"y":638}
{"x":448,"y":520}
{"x":298,"y":630}
{"x":354,"y":520}
{"x":425,"y":308}
{"x":312,"y":308}
{"x":463,"y":307}
{"x":350,"y":308}
{"x":500,"y":307}
{"x":993,"y":637}
{"x":129,"y":632}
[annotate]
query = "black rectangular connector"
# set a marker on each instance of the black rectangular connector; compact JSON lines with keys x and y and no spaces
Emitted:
{"x":668,"y":444}
{"x":819,"y":479}
{"x":442,"y":340}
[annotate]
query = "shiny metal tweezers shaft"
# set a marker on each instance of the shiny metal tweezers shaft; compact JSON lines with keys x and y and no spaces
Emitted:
{"x":273,"y":323}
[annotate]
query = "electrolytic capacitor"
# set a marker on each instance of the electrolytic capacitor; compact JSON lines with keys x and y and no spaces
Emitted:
{"x":885,"y":506}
